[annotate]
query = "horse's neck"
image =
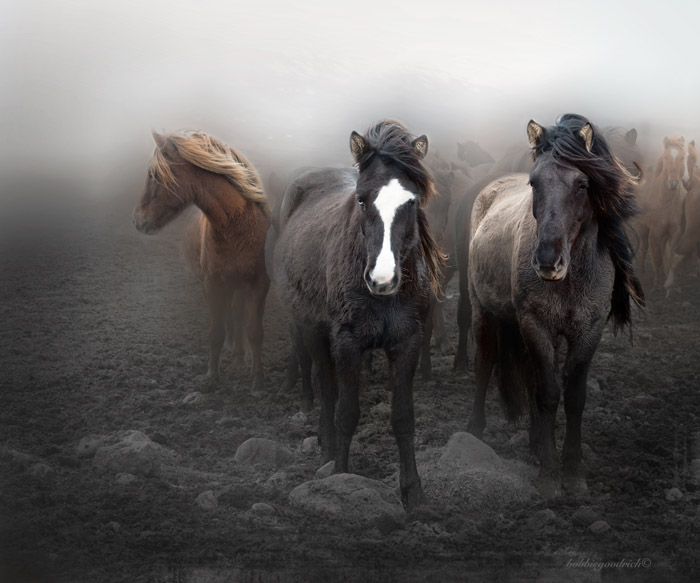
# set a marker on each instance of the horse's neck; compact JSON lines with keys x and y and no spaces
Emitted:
{"x":220,"y":202}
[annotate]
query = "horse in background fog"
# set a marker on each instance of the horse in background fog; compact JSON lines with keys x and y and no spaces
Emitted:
{"x":357,"y":265}
{"x":659,"y":225}
{"x":549,"y":259}
{"x":688,"y":243}
{"x":224,"y":243}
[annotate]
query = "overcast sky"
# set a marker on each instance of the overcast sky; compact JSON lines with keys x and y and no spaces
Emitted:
{"x":83,"y":82}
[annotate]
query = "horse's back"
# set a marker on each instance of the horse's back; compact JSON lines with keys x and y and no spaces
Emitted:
{"x":501,"y":216}
{"x":313,"y":185}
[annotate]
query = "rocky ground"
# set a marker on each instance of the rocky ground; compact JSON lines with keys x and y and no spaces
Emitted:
{"x":114,"y":466}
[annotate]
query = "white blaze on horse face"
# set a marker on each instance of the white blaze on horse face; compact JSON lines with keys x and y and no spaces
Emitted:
{"x":674,"y":154}
{"x":389,"y":199}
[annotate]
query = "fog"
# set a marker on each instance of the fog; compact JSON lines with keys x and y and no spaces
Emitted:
{"x":83,"y":83}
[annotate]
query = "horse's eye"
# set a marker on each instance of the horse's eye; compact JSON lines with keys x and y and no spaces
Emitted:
{"x":411,"y":201}
{"x":362,"y":204}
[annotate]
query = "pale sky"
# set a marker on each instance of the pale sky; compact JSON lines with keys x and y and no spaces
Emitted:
{"x":83,"y":82}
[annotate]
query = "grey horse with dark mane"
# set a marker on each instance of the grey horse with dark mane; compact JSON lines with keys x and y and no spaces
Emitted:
{"x":356,"y":264}
{"x":550,"y":260}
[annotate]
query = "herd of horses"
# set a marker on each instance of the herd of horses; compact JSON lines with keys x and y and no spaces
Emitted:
{"x":543,"y":240}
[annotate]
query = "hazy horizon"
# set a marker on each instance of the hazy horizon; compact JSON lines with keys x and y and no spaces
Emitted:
{"x":83,"y":84}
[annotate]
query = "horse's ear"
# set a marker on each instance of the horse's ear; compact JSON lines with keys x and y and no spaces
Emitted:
{"x":631,"y":137}
{"x":420,"y":145}
{"x":535,"y":133}
{"x":159,"y":139}
{"x":357,"y":145}
{"x":586,"y":132}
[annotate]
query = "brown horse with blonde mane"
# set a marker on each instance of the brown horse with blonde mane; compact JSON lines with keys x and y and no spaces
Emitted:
{"x":224,"y":243}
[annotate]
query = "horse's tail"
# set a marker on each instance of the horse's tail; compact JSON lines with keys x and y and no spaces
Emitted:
{"x":512,"y":370}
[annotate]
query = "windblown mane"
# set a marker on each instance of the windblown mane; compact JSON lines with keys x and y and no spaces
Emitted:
{"x":611,"y":193}
{"x":391,"y":141}
{"x":211,"y":154}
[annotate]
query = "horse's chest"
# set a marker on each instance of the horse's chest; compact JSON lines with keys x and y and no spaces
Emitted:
{"x":380,"y":321}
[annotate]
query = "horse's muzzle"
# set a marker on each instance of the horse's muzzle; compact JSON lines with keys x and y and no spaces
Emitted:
{"x":384,"y":288}
{"x":554,"y":272}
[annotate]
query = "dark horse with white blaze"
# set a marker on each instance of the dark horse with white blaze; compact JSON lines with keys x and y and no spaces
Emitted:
{"x":356,"y":263}
{"x":550,"y":259}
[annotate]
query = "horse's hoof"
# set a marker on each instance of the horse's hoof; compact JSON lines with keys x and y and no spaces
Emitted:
{"x":210,"y":383}
{"x":459,"y":365}
{"x":258,"y":388}
{"x":476,"y":428}
{"x":412,"y":498}
{"x":548,"y":487}
{"x":307,"y":405}
{"x":574,"y":486}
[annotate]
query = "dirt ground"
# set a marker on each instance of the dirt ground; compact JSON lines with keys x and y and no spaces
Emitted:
{"x":103,"y":330}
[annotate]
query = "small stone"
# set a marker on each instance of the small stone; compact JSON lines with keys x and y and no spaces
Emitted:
{"x":194,"y":398}
{"x":41,"y":470}
{"x":599,"y":527}
{"x":325,"y":470}
{"x":114,"y":526}
{"x":88,"y":446}
{"x":207,"y":500}
{"x":309,"y":445}
{"x":593,"y":386}
{"x":263,"y":509}
{"x":298,"y":419}
{"x":161,"y":439}
{"x":227,"y":421}
{"x":124,"y":478}
{"x":695,"y":469}
{"x":464,"y":451}
{"x":584,"y":516}
{"x":264,"y":452}
{"x":674,"y":495}
{"x":381,"y":410}
{"x":542,"y":518}
{"x":278,"y":478}
{"x":133,"y":454}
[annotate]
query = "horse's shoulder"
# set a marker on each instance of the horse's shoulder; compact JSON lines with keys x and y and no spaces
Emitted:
{"x":495,"y":191}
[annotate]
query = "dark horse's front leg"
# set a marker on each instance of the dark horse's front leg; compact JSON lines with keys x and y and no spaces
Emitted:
{"x":403,"y":358}
{"x":347,"y":358}
{"x":546,"y":392}
{"x":578,"y":361}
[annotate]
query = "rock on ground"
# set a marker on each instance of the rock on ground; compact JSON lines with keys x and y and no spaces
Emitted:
{"x":467,"y":474}
{"x":258,"y":451}
{"x":88,"y":446}
{"x":134,"y":453}
{"x":207,"y":500}
{"x":351,"y":499}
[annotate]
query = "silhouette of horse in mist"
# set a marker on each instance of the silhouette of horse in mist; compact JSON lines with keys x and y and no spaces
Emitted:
{"x":550,"y":259}
{"x":224,"y":243}
{"x":356,"y":264}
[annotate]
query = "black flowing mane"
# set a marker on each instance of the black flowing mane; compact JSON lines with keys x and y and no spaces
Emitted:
{"x":390,"y":139}
{"x":611,"y":192}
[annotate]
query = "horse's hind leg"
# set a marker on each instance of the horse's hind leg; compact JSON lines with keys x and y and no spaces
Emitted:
{"x":486,"y":342}
{"x":464,"y":322}
{"x":304,"y":360}
{"x":318,"y":347}
{"x":217,"y":299}
{"x":235,"y":326}
{"x":254,"y":325}
{"x":403,"y":359}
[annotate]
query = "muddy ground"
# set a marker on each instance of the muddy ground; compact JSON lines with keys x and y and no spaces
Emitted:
{"x":103,"y":330}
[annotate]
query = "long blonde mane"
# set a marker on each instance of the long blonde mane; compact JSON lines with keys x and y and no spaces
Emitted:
{"x":211,"y":154}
